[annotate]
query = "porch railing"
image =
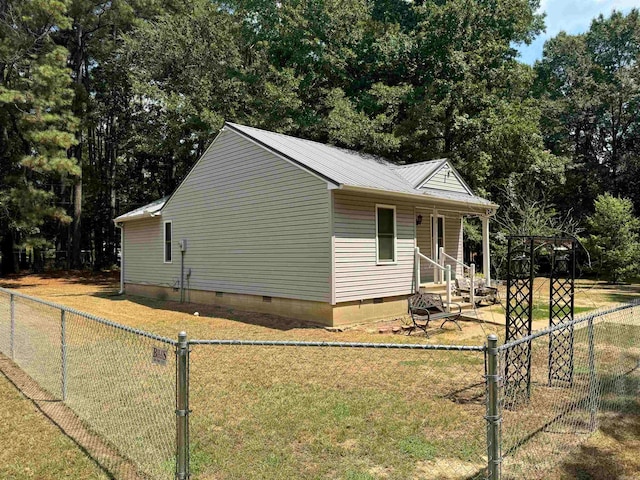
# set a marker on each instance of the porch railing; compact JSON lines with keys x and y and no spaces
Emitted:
{"x":471,"y":268}
{"x":446,"y":269}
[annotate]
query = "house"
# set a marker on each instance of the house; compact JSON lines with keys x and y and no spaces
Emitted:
{"x":271,"y":223}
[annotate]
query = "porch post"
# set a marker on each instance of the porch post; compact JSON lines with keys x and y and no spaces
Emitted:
{"x":437,"y":274}
{"x":486,"y":262}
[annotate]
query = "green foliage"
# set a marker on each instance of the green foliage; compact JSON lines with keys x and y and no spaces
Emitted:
{"x":151,"y":82}
{"x":614,"y":241}
{"x":590,"y":95}
{"x":36,"y":121}
{"x":527,"y":213}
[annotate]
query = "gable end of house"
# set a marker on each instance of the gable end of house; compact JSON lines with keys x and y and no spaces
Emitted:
{"x":446,"y":178}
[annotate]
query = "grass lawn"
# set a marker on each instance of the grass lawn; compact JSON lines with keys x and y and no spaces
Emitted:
{"x":32,"y":447}
{"x":281,"y":412}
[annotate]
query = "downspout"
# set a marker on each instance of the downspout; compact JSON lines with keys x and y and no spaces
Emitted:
{"x":121,"y":227}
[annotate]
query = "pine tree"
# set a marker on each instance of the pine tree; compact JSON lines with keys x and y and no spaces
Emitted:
{"x":36,"y":124}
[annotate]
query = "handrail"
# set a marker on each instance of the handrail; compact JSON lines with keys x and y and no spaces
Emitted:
{"x":432,"y":262}
{"x":445,"y":254}
{"x":446,"y":269}
{"x":472,"y":274}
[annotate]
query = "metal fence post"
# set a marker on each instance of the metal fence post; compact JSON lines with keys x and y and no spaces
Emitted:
{"x":493,"y":413}
{"x":13,"y":326}
{"x":593,"y":387}
{"x":63,"y":352}
{"x":182,"y":407}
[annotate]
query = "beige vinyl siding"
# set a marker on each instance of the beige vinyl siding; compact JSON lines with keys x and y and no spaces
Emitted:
{"x":357,"y":276}
{"x":452,"y":242}
{"x":254,"y":223}
{"x":143,"y":250}
{"x":446,"y":179}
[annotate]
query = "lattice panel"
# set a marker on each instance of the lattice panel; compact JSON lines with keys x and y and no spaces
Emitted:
{"x":520,"y":275}
{"x":561,"y":309}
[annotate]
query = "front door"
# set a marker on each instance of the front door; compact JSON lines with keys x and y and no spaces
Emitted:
{"x":437,"y":241}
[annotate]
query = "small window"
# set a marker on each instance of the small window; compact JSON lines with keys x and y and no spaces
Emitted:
{"x":386,"y":233}
{"x":167,"y":242}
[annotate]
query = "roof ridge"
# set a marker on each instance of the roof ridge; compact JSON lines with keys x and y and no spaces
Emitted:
{"x":418,"y":164}
{"x":315,"y":142}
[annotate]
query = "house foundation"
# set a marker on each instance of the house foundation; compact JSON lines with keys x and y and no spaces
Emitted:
{"x":320,"y":313}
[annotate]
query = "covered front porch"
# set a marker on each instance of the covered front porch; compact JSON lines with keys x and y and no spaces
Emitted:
{"x":439,"y":251}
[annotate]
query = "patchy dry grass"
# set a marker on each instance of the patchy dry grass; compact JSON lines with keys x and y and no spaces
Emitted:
{"x":589,"y":295}
{"x":32,"y":447}
{"x":278,"y":412}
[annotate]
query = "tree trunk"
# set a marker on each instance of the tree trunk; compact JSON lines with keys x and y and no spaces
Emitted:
{"x":78,"y":60}
{"x":76,"y":237}
{"x":9,"y":264}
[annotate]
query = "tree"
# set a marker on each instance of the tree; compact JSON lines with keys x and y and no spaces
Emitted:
{"x":614,"y":241}
{"x":36,"y":124}
{"x":528,"y":213}
{"x":589,"y":90}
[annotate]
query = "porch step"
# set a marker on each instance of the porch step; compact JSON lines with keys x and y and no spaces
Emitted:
{"x":433,"y":288}
{"x":441,"y":288}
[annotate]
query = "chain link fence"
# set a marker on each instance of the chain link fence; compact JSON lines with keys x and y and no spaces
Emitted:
{"x":275,"y":410}
{"x":97,"y":380}
{"x":145,"y":406}
{"x":544,"y":423}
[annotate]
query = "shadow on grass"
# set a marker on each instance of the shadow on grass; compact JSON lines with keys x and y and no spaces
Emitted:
{"x":618,"y":419}
{"x":592,"y":463}
{"x":622,"y":297}
{"x":81,"y":277}
{"x":595,"y":462}
{"x":214,"y":311}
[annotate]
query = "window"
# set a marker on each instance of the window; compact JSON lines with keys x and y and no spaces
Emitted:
{"x":386,"y":233}
{"x":167,"y":242}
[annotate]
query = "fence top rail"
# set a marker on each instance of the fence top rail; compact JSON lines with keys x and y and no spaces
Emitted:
{"x":562,"y":326}
{"x":286,"y":343}
{"x":91,"y":317}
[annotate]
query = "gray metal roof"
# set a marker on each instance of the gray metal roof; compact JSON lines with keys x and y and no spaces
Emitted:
{"x":340,"y":167}
{"x":456,"y":197}
{"x":337,"y":165}
{"x":349,"y":168}
{"x":416,"y":173}
{"x":146,"y":211}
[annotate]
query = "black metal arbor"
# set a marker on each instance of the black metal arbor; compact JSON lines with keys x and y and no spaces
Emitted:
{"x":527,"y":257}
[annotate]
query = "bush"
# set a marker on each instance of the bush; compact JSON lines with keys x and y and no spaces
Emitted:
{"x":613,"y":240}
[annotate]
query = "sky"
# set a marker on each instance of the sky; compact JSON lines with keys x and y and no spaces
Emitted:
{"x":572,"y":16}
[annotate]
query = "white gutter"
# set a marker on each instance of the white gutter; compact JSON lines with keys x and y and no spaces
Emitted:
{"x":139,"y":216}
{"x":422,"y":196}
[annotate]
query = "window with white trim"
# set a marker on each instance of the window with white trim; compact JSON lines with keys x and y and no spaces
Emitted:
{"x":167,"y":241}
{"x":386,"y":233}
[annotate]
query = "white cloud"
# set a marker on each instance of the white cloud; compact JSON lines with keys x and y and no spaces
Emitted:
{"x":574,"y":16}
{"x":571,"y":16}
